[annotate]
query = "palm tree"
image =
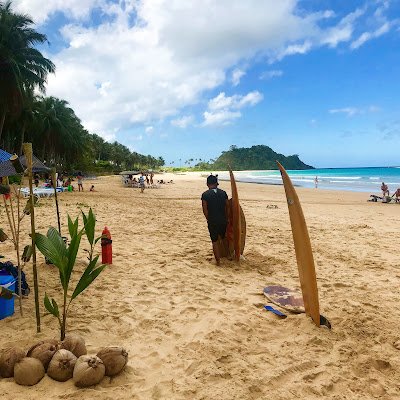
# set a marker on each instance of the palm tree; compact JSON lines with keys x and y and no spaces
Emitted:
{"x":22,"y":67}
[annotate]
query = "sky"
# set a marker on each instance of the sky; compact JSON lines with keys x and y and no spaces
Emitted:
{"x":186,"y":79}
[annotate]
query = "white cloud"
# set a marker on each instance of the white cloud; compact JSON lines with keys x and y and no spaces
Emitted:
{"x":343,"y":31}
{"x":237,"y":75}
{"x":351,"y":111}
{"x":149,"y":59}
{"x":364,"y":37}
{"x":234,"y":102}
{"x":292,"y":49}
{"x":223,"y":117}
{"x":271,"y":74}
{"x":149,"y":130}
{"x":183,"y":122}
{"x":222,"y":110}
{"x":41,"y":10}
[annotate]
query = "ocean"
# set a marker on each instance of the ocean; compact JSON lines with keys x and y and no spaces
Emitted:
{"x":368,"y":179}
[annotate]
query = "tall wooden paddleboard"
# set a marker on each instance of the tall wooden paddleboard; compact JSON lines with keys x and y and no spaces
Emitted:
{"x":304,"y":255}
{"x":236,"y":220}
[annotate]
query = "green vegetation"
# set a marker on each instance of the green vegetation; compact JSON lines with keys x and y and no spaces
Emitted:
{"x":254,"y":158}
{"x":54,"y":248}
{"x":48,"y":123}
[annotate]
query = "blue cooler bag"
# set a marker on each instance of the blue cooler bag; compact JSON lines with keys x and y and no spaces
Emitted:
{"x":7,"y":306}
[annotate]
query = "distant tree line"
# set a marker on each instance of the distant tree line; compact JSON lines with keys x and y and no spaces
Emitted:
{"x":253,"y":158}
{"x":56,"y":133}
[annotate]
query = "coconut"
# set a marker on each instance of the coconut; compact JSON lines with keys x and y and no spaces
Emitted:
{"x":29,"y":371}
{"x":75,"y":344}
{"x":8,"y":358}
{"x":44,"y":352}
{"x":88,"y":371}
{"x":61,"y":367}
{"x":54,"y":342}
{"x":114,"y":359}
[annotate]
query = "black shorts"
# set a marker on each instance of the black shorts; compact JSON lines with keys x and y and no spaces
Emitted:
{"x":217,"y":230}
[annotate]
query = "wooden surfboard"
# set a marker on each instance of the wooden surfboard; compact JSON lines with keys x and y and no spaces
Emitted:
{"x":236,"y":220}
{"x":302,"y":245}
{"x":229,"y":236}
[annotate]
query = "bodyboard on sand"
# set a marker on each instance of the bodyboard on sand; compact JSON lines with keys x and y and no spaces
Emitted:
{"x":302,"y":245}
{"x":288,"y":299}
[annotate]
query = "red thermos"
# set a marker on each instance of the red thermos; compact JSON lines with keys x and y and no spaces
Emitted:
{"x":106,"y":247}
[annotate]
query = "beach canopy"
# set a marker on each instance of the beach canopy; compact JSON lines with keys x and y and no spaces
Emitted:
{"x":7,"y":169}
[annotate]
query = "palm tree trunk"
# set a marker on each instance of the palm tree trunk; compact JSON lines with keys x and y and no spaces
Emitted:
{"x":2,"y":119}
{"x":22,"y":138}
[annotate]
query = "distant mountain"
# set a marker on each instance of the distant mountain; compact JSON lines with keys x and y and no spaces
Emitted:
{"x":256,"y":158}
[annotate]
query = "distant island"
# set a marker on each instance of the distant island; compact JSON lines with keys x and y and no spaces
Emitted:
{"x":259,"y":157}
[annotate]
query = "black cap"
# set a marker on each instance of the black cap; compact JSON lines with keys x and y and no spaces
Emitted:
{"x":212,"y":180}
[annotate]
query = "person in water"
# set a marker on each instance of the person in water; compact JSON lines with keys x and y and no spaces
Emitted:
{"x":215,"y":209}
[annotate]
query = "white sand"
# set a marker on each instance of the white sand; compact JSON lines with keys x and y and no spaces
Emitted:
{"x":197,"y":331}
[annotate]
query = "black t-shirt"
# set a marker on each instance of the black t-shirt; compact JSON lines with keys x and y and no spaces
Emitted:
{"x":216,"y":199}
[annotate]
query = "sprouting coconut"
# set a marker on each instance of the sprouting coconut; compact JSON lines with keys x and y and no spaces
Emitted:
{"x":61,"y":367}
{"x":29,"y":371}
{"x":8,"y":358}
{"x":114,"y":359}
{"x":88,"y":371}
{"x":43,"y":351}
{"x":54,"y":342}
{"x":75,"y":344}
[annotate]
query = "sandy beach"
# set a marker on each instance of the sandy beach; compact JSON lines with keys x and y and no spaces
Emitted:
{"x":197,"y":331}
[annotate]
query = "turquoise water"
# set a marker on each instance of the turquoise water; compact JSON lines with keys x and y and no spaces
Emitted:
{"x":353,"y":179}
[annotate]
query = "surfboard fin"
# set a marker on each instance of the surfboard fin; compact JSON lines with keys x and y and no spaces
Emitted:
{"x":324,"y":321}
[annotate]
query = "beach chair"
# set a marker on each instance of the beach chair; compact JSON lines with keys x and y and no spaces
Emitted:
{"x":39,"y":192}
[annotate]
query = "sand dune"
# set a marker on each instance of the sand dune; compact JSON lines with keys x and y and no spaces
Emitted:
{"x":197,"y":331}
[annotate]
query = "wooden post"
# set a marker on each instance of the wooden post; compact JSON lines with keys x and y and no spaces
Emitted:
{"x":54,"y":179}
{"x":28,"y":155}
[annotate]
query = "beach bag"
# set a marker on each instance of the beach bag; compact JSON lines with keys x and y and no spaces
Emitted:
{"x":9,"y":267}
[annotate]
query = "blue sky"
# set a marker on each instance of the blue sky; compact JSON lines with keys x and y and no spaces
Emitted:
{"x":185,"y":80}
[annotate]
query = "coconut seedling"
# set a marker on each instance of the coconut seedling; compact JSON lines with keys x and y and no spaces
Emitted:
{"x":63,"y":257}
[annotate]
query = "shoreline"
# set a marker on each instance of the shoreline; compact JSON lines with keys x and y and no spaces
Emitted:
{"x":202,"y":174}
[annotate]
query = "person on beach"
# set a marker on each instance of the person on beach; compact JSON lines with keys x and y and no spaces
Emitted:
{"x":92,"y":189}
{"x":36,"y":180}
{"x":385,"y":189}
{"x":141,"y":183}
{"x":397,"y":194}
{"x":215,"y":209}
{"x":316,"y":182}
{"x":80,"y":181}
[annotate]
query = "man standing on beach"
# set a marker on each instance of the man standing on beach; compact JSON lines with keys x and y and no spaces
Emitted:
{"x":215,"y":209}
{"x":141,"y":182}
